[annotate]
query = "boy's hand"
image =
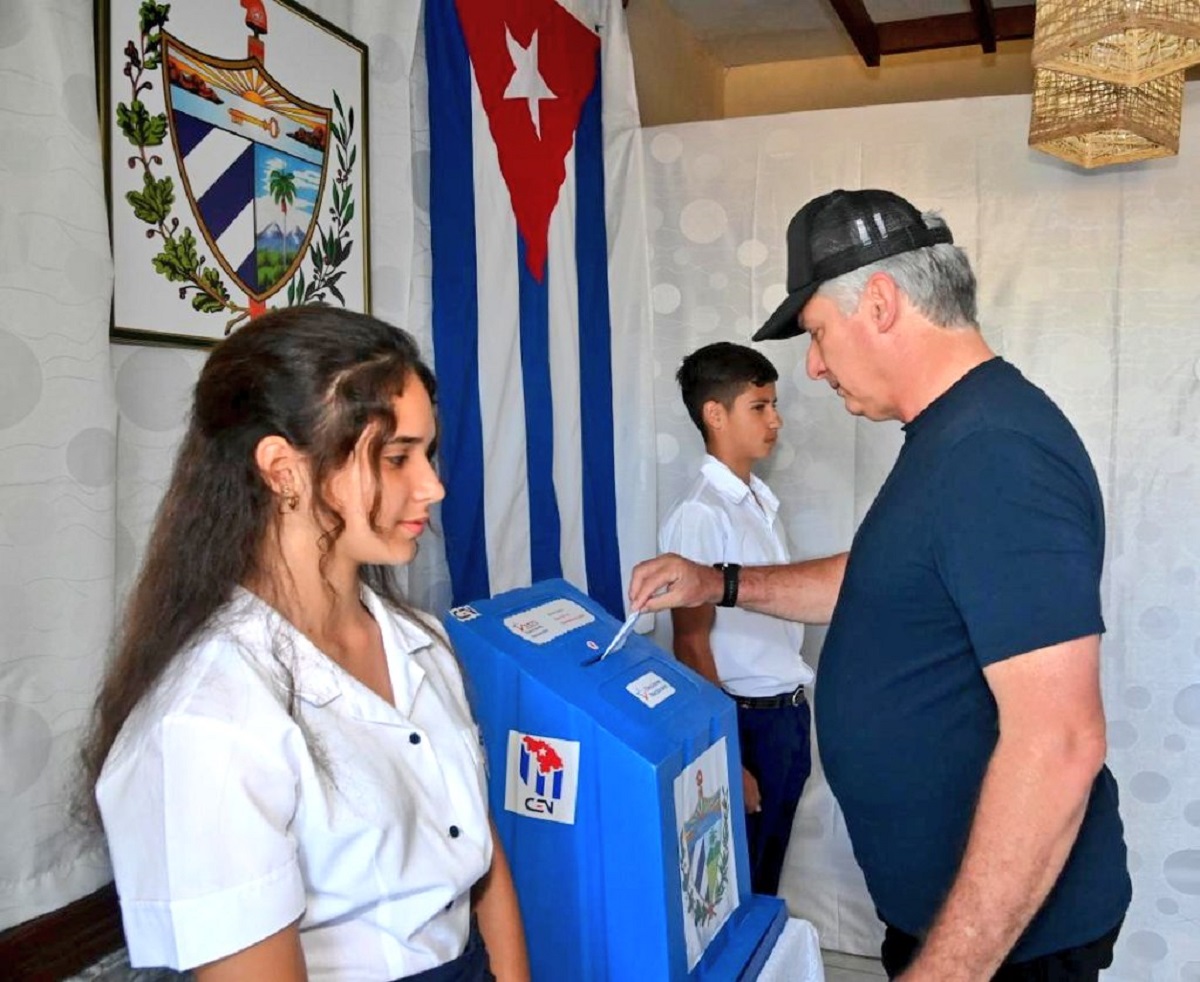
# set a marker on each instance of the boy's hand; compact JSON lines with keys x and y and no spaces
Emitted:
{"x":750,"y":793}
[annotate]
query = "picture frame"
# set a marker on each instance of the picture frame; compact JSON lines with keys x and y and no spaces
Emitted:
{"x":235,"y":135}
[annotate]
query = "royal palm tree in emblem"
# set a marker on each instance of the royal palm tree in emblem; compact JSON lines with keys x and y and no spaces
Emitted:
{"x":282,"y":185}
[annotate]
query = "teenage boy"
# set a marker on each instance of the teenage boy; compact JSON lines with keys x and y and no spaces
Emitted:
{"x":728,"y":517}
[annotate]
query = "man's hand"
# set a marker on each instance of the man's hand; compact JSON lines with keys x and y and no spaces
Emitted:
{"x":672,"y":581}
{"x":750,"y":793}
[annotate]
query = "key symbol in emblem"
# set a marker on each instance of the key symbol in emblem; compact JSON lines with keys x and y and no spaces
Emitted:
{"x":270,"y":125}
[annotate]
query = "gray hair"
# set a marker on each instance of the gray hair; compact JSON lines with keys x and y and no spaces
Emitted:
{"x":937,"y":279}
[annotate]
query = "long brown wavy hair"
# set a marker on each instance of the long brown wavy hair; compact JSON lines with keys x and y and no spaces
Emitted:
{"x":317,"y":376}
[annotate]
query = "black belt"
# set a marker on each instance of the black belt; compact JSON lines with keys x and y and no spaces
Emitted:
{"x":794,"y":698}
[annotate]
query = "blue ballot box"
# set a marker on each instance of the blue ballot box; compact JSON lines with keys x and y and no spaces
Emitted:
{"x":616,"y":787}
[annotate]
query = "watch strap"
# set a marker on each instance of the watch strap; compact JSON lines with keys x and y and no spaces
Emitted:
{"x":731,"y":573}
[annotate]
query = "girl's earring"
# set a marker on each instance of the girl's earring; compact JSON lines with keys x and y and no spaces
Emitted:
{"x":289,"y":499}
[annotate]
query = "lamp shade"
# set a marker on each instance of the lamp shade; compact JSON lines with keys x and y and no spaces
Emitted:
{"x":1091,"y":122}
{"x":1125,"y":41}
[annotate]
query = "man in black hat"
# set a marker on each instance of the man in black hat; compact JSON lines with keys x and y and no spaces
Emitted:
{"x":959,"y":714}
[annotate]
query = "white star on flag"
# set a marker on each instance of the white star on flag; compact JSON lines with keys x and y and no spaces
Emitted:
{"x":527,"y":82}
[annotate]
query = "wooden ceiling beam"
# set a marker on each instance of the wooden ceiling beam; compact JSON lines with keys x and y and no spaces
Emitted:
{"x":862,"y":30}
{"x":985,"y":17}
{"x":898,"y":37}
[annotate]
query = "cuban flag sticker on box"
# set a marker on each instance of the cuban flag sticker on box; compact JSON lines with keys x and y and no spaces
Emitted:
{"x":542,"y":778}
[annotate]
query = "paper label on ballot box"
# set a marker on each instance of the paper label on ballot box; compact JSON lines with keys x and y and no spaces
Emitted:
{"x":542,"y":777}
{"x":548,"y":621}
{"x":650,"y":689}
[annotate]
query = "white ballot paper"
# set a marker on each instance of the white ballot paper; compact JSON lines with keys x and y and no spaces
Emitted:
{"x":622,"y":634}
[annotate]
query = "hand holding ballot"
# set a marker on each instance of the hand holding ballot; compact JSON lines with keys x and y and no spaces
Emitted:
{"x":670,"y":581}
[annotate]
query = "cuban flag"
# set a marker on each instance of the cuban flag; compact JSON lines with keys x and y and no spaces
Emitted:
{"x":540,"y":315}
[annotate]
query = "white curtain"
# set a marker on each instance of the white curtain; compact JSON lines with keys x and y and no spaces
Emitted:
{"x":1089,"y":283}
{"x":58,"y":434}
{"x":88,"y":431}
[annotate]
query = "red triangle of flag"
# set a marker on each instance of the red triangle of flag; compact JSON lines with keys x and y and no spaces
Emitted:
{"x":535,"y":65}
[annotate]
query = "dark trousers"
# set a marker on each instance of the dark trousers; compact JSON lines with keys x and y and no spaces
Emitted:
{"x":777,"y":750}
{"x":1079,"y":964}
{"x":471,"y":966}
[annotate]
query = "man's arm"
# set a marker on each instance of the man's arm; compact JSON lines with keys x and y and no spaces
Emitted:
{"x":1031,"y":804}
{"x":804,"y":592}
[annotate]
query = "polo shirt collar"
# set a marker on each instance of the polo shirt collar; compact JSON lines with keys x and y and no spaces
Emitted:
{"x":735,"y":489}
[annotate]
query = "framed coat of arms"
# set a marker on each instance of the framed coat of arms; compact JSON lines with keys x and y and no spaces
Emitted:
{"x":236,"y":158}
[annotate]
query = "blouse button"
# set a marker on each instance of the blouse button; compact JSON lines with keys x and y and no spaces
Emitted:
{"x":454,"y":831}
{"x":414,"y":738}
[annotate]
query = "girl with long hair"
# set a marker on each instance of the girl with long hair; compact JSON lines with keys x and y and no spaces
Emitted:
{"x":282,"y":753}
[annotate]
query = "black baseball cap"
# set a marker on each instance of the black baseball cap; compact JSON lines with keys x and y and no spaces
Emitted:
{"x":839,"y":232}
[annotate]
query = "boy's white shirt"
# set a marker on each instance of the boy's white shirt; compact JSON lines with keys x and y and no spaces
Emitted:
{"x":722,"y":519}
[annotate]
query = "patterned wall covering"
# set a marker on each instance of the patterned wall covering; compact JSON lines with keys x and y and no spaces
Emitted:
{"x":1089,"y":283}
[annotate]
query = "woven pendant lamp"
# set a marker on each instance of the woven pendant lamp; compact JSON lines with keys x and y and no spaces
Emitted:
{"x":1125,"y":41}
{"x":1091,"y":122}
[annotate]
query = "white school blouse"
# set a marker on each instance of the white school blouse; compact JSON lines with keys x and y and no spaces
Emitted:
{"x":721,"y":519}
{"x":223,"y":827}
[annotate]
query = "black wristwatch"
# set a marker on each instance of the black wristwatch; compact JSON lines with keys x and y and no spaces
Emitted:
{"x":730,"y":571}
